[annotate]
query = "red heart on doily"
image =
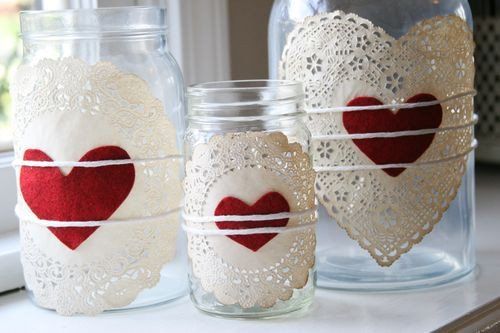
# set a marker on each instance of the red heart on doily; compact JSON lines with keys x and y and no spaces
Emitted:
{"x":270,"y":203}
{"x":85,"y":194}
{"x":404,"y":149}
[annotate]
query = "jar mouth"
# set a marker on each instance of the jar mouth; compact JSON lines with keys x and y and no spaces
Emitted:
{"x":113,"y":21}
{"x":244,"y":99}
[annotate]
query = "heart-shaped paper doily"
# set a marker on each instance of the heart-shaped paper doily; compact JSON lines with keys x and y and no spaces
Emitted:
{"x":386,"y":211}
{"x":404,"y":149}
{"x":85,"y":194}
{"x":269,"y":203}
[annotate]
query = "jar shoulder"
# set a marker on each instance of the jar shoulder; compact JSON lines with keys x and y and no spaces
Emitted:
{"x":411,"y":11}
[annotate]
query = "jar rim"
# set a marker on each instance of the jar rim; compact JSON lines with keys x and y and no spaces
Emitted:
{"x":239,"y":99}
{"x":239,"y":85}
{"x":131,"y":20}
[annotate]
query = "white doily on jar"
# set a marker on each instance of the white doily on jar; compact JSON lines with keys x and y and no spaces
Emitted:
{"x":247,"y":166}
{"x":340,"y":57}
{"x":67,"y":108}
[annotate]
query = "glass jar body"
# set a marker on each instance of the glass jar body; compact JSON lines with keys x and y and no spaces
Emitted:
{"x":247,"y":113}
{"x":127,"y":47}
{"x":197,"y":134}
{"x":447,"y":252}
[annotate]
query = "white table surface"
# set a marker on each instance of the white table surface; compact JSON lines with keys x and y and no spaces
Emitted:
{"x":417,"y":311}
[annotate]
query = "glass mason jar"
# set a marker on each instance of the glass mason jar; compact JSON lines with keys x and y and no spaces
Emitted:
{"x":389,"y":97}
{"x":249,"y":202}
{"x":99,"y":85}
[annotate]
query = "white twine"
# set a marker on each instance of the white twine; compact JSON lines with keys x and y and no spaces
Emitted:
{"x":396,"y":165}
{"x":246,"y":218}
{"x":90,"y":164}
{"x":394,"y":134}
{"x":389,"y":106}
{"x":252,"y":231}
{"x":65,"y":224}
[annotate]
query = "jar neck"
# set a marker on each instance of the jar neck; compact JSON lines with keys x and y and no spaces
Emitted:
{"x":93,"y":48}
{"x":252,"y":124}
{"x":251,"y":105}
{"x":85,"y":33}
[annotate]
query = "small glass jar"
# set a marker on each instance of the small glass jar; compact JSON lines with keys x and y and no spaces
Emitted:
{"x":394,"y":228}
{"x":247,"y":154}
{"x":100,"y":82}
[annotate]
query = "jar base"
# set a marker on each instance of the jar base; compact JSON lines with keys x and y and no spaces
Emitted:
{"x":421,"y":268}
{"x":253,"y":313}
{"x":168,"y":289}
{"x":299,"y":303}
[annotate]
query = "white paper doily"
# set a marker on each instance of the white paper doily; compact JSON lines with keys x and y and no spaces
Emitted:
{"x":66,"y":108}
{"x":342,"y":56}
{"x":247,"y":166}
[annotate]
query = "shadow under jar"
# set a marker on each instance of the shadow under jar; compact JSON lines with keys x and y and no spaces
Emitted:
{"x":99,"y":86}
{"x":249,"y":205}
{"x":389,"y":102}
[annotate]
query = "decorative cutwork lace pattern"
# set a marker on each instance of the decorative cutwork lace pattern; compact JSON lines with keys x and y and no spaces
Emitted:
{"x":117,"y":262}
{"x":342,"y":56}
{"x":251,"y":278}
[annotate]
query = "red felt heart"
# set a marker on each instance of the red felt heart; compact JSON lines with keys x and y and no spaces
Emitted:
{"x":405,"y":149}
{"x":270,"y":203}
{"x":85,"y":194}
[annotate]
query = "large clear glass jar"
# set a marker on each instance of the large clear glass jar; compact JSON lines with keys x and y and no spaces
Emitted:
{"x":363,"y":52}
{"x":247,"y":154}
{"x":103,"y":77}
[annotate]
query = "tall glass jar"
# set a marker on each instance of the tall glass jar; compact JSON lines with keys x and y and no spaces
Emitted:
{"x":389,"y":96}
{"x":99,"y":96}
{"x":249,"y":199}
